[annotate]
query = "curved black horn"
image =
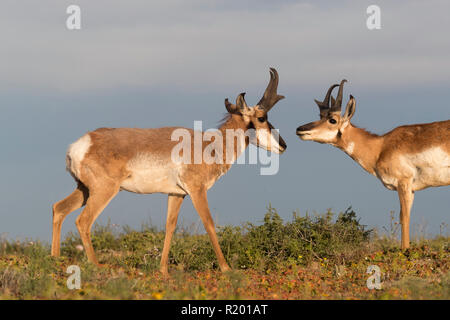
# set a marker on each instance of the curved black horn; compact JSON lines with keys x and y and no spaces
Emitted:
{"x":326,"y":101}
{"x":271,"y":96}
{"x":325,"y":104}
{"x":338,"y":104}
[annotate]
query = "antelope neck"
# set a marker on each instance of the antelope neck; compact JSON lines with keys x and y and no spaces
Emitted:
{"x":236,"y":123}
{"x":362,"y":146}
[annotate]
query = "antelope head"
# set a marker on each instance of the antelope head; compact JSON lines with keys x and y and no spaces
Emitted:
{"x":332,"y":124}
{"x":262,"y":132}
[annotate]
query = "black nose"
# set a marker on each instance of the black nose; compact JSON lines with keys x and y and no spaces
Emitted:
{"x":300,"y":129}
{"x":305,"y":127}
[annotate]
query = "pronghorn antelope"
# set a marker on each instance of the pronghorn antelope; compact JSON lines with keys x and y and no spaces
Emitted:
{"x":407,"y":159}
{"x":108,"y":160}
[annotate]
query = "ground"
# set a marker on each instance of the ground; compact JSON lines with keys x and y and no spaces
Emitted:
{"x":308,"y":258}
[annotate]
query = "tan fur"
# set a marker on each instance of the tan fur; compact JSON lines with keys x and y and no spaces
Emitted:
{"x":406,"y":159}
{"x":108,"y":160}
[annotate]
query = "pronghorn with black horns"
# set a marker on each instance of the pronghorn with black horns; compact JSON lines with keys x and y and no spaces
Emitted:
{"x":407,"y":159}
{"x":108,"y":160}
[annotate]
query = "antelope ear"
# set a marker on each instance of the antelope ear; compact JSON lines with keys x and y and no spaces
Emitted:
{"x":349,"y":110}
{"x":241,"y":104}
{"x":333,"y":101}
{"x":231,"y":108}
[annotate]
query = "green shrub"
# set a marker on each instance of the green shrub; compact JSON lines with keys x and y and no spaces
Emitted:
{"x":271,"y":245}
{"x":275,"y":243}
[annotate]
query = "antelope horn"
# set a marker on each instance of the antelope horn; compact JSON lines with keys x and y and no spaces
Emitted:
{"x":270,"y":97}
{"x":325,"y":104}
{"x":338,"y":104}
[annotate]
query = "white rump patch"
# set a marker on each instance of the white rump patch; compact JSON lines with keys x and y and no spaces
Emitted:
{"x":75,"y":154}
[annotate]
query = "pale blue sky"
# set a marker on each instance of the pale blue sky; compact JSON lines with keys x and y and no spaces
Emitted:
{"x":158,"y":63}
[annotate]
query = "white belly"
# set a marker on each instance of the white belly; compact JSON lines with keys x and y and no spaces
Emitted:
{"x":152,"y":176}
{"x":432,"y":168}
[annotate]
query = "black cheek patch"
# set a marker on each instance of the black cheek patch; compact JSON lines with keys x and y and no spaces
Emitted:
{"x":339,"y":134}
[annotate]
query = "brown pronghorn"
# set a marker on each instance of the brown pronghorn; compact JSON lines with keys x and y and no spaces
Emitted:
{"x":108,"y":160}
{"x":407,"y":159}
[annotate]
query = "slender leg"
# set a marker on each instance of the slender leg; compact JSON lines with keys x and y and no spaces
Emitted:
{"x":61,"y":209}
{"x":99,"y":198}
{"x":406,"y":197}
{"x":173,"y":208}
{"x":200,"y":201}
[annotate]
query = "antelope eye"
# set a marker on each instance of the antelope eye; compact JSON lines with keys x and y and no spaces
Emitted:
{"x":332,"y":121}
{"x":261,"y":119}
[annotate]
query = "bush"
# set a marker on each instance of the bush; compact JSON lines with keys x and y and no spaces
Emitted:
{"x":274,"y":243}
{"x":271,"y":245}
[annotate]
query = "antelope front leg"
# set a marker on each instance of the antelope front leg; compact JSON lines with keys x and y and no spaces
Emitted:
{"x":200,"y":201}
{"x":173,"y":208}
{"x":406,"y":197}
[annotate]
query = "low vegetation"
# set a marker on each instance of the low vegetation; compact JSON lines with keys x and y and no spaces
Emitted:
{"x":322,"y":256}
